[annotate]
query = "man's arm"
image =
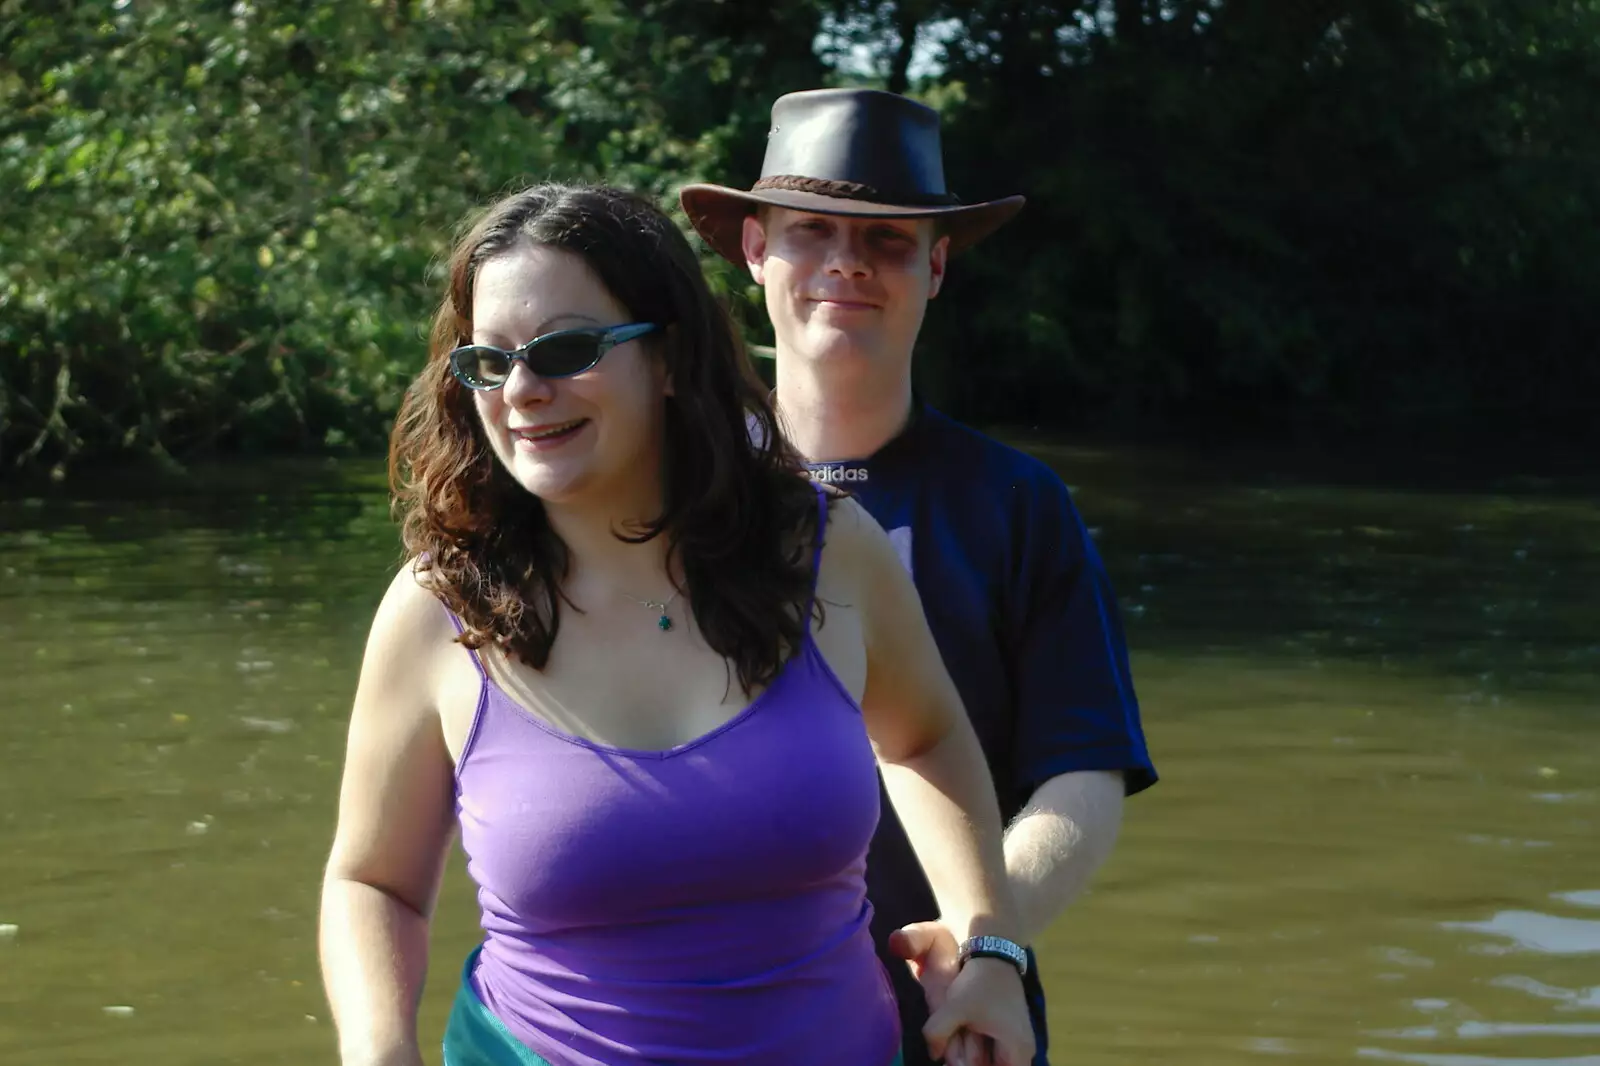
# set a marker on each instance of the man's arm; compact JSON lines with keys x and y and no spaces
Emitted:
{"x":1058,"y":841}
{"x":1053,"y":848}
{"x":1079,"y":744}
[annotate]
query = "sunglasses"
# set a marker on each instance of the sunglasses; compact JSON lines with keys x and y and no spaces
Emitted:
{"x":555,"y":355}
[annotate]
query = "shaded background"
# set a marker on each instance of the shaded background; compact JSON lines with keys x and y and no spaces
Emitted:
{"x":1296,"y":220}
{"x":1300,"y":308}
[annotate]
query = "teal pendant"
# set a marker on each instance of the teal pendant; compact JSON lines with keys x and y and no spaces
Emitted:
{"x":664,"y":623}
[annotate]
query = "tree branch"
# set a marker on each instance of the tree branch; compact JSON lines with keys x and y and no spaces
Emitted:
{"x":907,"y":17}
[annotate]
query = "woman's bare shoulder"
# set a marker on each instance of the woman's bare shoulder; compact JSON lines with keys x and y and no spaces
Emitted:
{"x":411,"y":619}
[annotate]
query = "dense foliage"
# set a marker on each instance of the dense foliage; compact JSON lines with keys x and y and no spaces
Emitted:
{"x":221,"y":223}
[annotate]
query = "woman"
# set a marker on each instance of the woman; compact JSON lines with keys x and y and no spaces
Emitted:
{"x":609,"y":663}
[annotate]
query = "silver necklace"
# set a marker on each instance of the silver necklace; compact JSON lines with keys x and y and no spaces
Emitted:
{"x":663,"y":623}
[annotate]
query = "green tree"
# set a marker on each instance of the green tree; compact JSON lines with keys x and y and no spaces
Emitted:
{"x":222,"y":223}
{"x":226,"y":220}
{"x":1352,"y":214}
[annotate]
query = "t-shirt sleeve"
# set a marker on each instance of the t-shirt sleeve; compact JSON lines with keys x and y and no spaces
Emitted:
{"x":1076,"y":707}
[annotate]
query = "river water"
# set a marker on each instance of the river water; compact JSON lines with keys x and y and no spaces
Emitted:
{"x":1374,"y":701}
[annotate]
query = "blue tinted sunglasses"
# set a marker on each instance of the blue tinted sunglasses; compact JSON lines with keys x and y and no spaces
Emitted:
{"x":555,"y":355}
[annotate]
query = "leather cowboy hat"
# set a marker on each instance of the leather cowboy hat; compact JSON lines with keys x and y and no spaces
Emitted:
{"x":858,"y":152}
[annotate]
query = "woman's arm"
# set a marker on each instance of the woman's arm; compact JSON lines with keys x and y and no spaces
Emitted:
{"x":396,"y":818}
{"x":938,"y":781}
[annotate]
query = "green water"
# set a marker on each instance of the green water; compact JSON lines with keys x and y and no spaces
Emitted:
{"x":1374,"y":706}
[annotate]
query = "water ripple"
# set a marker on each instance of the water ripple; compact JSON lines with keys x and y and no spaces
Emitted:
{"x":1546,"y":934}
{"x":1471,"y":1060}
{"x":1569,"y":998}
{"x":1487,"y":1030}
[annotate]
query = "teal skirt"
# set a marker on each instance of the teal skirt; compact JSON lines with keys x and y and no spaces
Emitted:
{"x":475,"y":1037}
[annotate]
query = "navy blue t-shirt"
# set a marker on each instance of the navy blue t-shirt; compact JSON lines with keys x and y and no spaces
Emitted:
{"x":1027,"y":623}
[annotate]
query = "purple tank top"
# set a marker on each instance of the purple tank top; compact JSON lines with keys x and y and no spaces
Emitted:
{"x":704,"y":904}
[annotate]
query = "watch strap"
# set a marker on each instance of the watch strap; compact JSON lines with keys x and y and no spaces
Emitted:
{"x":996,"y":947}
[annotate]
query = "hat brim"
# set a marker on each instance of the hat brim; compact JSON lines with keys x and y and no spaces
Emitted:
{"x":718,"y":213}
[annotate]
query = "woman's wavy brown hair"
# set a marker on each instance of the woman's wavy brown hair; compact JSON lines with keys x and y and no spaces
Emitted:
{"x":739,"y":514}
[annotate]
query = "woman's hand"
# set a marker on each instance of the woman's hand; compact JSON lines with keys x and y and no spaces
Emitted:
{"x":933,"y":956}
{"x":984,"y":1018}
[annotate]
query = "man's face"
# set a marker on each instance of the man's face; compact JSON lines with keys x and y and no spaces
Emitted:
{"x":845,"y":288}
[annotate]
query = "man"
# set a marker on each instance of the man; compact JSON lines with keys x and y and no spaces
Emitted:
{"x":849,"y":231}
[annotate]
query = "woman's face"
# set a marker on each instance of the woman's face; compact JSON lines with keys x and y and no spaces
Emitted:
{"x":592,"y":438}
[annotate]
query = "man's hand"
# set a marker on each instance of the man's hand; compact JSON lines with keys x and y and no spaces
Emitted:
{"x":934,"y":957}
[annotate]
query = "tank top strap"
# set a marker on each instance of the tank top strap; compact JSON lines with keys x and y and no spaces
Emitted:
{"x":470,"y":651}
{"x":816,"y":555}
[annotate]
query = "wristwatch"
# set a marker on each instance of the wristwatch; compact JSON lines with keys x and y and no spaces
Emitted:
{"x":996,"y":947}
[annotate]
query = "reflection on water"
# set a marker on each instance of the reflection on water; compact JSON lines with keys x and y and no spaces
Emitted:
{"x":1476,"y":1060}
{"x":1569,"y":998}
{"x":1533,"y":931}
{"x":1479,"y":1030}
{"x":1373,"y":706}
